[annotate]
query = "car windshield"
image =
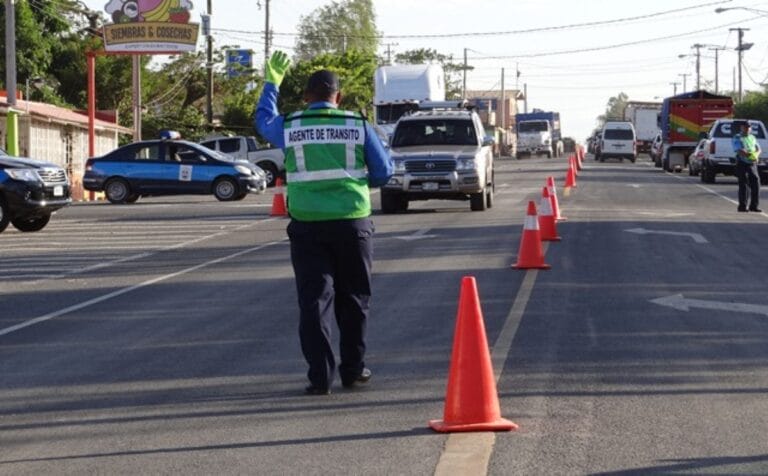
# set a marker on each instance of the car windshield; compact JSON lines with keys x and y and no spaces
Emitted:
{"x":618,"y":134}
{"x":726,"y":129}
{"x":434,"y":132}
{"x":533,"y":126}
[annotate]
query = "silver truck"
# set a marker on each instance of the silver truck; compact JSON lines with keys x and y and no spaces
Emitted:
{"x":271,"y":160}
{"x":442,"y":154}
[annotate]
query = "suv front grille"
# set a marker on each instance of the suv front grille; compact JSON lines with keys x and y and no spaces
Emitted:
{"x":430,"y":165}
{"x":52,"y":175}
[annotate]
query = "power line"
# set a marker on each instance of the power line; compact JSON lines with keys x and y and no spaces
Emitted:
{"x":496,"y":33}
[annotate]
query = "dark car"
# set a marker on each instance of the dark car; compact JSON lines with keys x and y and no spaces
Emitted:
{"x":30,"y":191}
{"x":171,"y":167}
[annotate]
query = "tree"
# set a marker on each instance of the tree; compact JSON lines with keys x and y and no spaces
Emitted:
{"x":337,"y":28}
{"x":614,"y":110}
{"x":453,"y":71}
{"x":754,"y":106}
{"x":355,"y":70}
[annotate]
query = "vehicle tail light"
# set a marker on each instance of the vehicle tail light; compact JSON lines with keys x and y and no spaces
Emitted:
{"x":89,"y":165}
{"x":712,"y":147}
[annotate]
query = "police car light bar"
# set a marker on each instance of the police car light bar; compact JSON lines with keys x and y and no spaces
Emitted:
{"x":170,"y":135}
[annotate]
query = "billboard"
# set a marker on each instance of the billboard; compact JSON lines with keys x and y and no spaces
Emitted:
{"x":157,"y":26}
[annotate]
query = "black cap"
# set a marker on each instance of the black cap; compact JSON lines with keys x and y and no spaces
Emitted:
{"x":323,"y":83}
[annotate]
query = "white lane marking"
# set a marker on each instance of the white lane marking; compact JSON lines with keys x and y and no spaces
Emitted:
{"x":120,"y":292}
{"x":141,"y":255}
{"x":697,"y":237}
{"x":681,"y":303}
{"x":469,"y":453}
{"x":417,"y":235}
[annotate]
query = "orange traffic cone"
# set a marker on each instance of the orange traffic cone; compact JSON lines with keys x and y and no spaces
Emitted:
{"x":553,"y":196}
{"x":471,"y":400}
{"x":278,"y":201}
{"x":576,"y":162}
{"x":531,"y":254}
{"x":570,"y":179}
{"x":547,"y":222}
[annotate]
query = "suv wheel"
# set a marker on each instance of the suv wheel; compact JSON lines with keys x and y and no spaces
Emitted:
{"x":4,"y":215}
{"x":270,"y":171}
{"x":707,"y":175}
{"x":477,"y":201}
{"x":117,"y":190}
{"x":29,"y":224}
{"x":393,"y":202}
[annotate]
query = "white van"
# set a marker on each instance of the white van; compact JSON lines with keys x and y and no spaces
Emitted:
{"x":618,"y":141}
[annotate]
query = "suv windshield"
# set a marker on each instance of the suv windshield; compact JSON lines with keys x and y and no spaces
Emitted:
{"x":533,"y":126}
{"x":434,"y":132}
{"x":726,"y":129}
{"x":618,"y":134}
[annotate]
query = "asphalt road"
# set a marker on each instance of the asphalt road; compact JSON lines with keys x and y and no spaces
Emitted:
{"x":161,"y":337}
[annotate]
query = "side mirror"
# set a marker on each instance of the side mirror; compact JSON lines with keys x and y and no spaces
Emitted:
{"x":488,"y":140}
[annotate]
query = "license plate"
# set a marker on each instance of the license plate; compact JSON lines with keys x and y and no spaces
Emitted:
{"x":430,"y":186}
{"x":58,"y":191}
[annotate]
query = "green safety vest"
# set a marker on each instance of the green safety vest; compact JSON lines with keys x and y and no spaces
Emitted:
{"x":326,"y":178}
{"x":750,"y":145}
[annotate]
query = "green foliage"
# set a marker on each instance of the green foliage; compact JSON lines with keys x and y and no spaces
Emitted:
{"x":614,"y":110}
{"x":453,"y":71}
{"x":337,"y":28}
{"x":754,"y":106}
{"x":355,"y":70}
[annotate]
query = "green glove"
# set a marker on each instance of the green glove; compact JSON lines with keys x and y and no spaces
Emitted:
{"x":276,"y":67}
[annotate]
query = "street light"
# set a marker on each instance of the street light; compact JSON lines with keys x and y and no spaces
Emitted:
{"x":754,"y":10}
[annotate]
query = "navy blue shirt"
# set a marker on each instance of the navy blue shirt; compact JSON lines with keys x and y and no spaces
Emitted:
{"x":270,"y":123}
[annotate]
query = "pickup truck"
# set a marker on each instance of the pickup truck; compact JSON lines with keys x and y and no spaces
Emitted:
{"x":271,"y":160}
{"x":440,"y":154}
{"x":718,"y":156}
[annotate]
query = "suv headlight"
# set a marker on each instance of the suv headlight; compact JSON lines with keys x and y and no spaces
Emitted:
{"x":466,"y":164}
{"x":399,"y":166}
{"x":25,"y":175}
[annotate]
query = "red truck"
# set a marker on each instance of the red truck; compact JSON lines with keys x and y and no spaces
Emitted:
{"x":683,"y":119}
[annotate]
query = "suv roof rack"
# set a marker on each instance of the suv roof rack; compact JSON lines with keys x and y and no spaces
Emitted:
{"x":456,"y":104}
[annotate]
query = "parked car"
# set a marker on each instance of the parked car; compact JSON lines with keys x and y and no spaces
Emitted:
{"x":721,"y":159}
{"x":171,"y":166}
{"x":618,"y":141}
{"x":270,"y":159}
{"x":696,"y":159}
{"x":30,"y":192}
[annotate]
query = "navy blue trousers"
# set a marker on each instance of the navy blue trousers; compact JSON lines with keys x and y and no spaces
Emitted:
{"x":748,"y":177}
{"x":332,"y":264}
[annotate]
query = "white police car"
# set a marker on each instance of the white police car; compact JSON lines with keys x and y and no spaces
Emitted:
{"x":171,"y":166}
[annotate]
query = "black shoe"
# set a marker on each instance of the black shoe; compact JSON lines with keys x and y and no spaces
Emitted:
{"x":364,"y":377}
{"x":742,"y":209}
{"x":312,"y":390}
{"x":758,"y":210}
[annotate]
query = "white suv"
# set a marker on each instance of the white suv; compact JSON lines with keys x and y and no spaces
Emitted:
{"x":618,"y":141}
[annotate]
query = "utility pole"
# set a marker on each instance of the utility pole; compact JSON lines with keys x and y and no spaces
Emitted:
{"x":740,"y":49}
{"x":389,"y":51}
{"x":698,"y":47}
{"x":503,"y":104}
{"x":209,"y":67}
{"x":10,"y":52}
{"x":267,"y":33}
{"x":717,"y":74}
{"x":464,"y":83}
{"x":684,"y":75}
{"x":674,"y":86}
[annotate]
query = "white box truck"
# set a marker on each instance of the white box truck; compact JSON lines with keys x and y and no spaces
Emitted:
{"x":645,"y":117}
{"x":399,"y":89}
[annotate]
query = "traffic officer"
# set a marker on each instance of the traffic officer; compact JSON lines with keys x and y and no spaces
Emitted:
{"x":747,"y":152}
{"x":331,"y":158}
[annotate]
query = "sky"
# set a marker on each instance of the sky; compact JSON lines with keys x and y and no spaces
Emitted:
{"x":572,"y":55}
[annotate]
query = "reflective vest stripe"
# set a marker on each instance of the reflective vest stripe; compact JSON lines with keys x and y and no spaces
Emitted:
{"x":295,"y":177}
{"x":351,"y":159}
